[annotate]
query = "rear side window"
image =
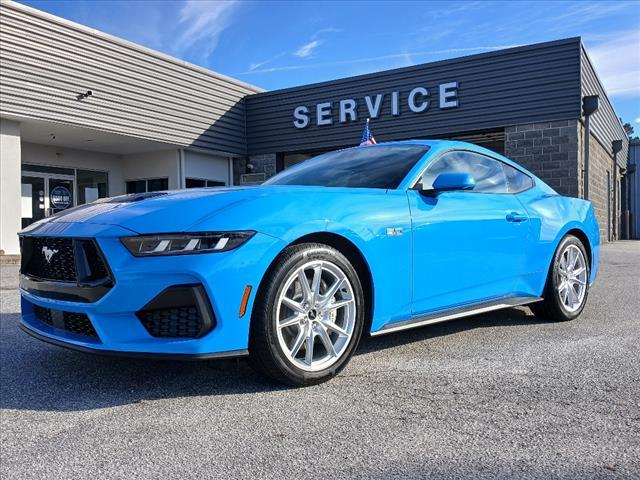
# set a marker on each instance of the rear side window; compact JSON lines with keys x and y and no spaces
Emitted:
{"x":516,"y":180}
{"x":488,"y":173}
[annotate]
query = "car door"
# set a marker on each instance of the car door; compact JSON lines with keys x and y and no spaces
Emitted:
{"x":468,"y":246}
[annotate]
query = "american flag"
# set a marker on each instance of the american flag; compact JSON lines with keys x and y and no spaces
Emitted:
{"x":367,"y":138}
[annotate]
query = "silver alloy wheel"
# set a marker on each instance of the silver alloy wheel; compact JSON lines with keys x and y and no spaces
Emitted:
{"x":572,"y":278}
{"x":316,"y":315}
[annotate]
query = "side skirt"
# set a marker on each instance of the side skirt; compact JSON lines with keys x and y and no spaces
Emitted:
{"x":455,"y":313}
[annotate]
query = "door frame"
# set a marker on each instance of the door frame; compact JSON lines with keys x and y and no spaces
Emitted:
{"x":55,"y":176}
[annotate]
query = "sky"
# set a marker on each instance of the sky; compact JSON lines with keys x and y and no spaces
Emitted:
{"x":281,"y":44}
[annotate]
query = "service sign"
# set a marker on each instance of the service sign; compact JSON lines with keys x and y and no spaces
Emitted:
{"x":417,"y":100}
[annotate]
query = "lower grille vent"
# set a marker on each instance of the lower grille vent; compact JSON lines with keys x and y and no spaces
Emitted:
{"x":77,"y":323}
{"x":181,"y":311}
{"x":178,"y":322}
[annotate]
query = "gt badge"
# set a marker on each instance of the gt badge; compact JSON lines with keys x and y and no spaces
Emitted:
{"x":394,"y":231}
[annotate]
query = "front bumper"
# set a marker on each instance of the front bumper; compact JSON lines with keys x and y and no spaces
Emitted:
{"x":138,"y":281}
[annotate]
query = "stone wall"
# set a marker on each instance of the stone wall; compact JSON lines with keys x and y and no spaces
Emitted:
{"x":554,"y":151}
{"x":265,"y":163}
{"x":549,"y":150}
{"x":600,"y":180}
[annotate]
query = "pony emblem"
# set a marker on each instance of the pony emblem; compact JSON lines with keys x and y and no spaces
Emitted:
{"x":48,"y":253}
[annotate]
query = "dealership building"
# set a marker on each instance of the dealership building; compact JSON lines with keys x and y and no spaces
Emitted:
{"x":84,"y":115}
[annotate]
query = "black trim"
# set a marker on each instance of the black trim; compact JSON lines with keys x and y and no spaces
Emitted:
{"x":140,"y":355}
{"x":66,"y":291}
{"x":175,"y":296}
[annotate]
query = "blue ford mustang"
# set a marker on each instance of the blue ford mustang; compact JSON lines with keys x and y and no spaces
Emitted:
{"x":370,"y":239}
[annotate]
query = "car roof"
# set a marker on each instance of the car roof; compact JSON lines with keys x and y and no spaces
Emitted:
{"x":429,"y":143}
{"x":444,"y":145}
{"x":450,"y":144}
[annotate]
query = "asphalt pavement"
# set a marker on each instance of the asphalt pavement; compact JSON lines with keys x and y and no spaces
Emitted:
{"x":501,"y":395}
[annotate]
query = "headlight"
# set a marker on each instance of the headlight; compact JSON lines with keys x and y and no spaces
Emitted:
{"x":185,"y":243}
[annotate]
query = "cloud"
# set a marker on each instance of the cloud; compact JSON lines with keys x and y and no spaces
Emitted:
{"x":203,"y":21}
{"x":307,"y":49}
{"x":638,"y":120}
{"x":322,"y":31}
{"x":455,"y":9}
{"x":585,"y":12}
{"x":255,"y":66}
{"x":407,"y":57}
{"x":618,"y":63}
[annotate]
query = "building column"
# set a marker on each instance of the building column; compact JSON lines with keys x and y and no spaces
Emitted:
{"x":10,"y":187}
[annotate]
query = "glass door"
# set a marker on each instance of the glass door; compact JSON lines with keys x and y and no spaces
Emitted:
{"x":33,"y":196}
{"x":60,"y":193}
{"x":44,"y":194}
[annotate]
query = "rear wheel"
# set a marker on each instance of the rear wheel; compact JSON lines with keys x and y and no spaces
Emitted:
{"x":567,"y":286}
{"x":309,"y":316}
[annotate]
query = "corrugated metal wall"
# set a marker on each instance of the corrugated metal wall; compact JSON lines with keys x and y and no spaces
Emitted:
{"x":508,"y":87}
{"x":47,"y":61}
{"x":604,"y":123}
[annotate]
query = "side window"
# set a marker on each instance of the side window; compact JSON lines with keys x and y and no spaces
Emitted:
{"x":489,"y":174}
{"x":517,"y":181}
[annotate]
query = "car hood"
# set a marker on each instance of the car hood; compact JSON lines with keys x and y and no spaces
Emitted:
{"x":193,"y":209}
{"x":156,"y":211}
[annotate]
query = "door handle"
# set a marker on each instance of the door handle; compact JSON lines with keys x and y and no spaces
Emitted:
{"x":516,"y":217}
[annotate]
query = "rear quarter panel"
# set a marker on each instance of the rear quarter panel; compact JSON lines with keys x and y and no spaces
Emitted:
{"x":552,"y":216}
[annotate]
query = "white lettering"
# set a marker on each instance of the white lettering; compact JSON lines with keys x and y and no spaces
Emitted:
{"x":323,"y":114}
{"x":412,"y":100}
{"x":374,"y":109}
{"x":348,"y":108}
{"x":418,"y":100}
{"x":395,"y":103}
{"x":449,"y":95}
{"x":301,"y":117}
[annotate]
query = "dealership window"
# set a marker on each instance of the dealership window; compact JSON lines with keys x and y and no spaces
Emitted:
{"x":46,"y":190}
{"x":202,"y":182}
{"x":148,"y":185}
{"x":91,"y":185}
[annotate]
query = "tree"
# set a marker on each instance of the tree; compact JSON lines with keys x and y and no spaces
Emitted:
{"x":629,"y":129}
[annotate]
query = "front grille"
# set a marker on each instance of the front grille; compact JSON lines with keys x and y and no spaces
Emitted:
{"x":177,"y":322}
{"x":63,"y":259}
{"x":181,"y":311}
{"x":50,"y":258}
{"x":77,"y":323}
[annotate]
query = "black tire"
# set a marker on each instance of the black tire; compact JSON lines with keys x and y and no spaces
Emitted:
{"x":552,"y":308}
{"x":265,"y":352}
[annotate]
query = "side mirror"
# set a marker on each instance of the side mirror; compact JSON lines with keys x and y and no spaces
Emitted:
{"x":448,"y":182}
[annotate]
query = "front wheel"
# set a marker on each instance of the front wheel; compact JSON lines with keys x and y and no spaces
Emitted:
{"x":308,"y":316}
{"x":567,"y":286}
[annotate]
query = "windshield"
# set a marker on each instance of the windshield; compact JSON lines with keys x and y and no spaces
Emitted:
{"x":379,"y":166}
